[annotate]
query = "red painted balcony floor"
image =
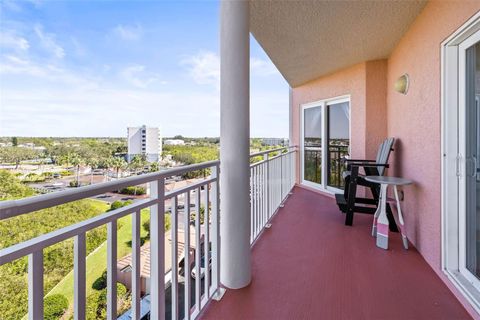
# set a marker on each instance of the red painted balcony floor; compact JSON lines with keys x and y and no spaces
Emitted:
{"x":309,"y":265}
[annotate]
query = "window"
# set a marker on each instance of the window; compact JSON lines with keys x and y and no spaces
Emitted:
{"x":325,"y":142}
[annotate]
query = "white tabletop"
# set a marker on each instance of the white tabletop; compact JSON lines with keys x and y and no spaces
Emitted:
{"x":388,"y":180}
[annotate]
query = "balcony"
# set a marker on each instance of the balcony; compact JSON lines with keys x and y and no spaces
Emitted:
{"x":305,"y":262}
{"x":309,"y":265}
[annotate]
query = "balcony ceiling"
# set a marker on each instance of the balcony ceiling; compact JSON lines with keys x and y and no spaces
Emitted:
{"x":309,"y":39}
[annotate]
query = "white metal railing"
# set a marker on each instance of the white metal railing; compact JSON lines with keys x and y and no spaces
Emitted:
{"x":209,"y":197}
{"x":271,"y":181}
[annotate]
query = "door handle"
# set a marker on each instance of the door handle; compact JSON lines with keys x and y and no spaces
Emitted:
{"x":457,"y":165}
{"x":473,"y":159}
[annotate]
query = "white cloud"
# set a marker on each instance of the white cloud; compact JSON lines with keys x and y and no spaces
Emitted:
{"x":48,"y":42}
{"x":204,"y":67}
{"x":138,"y":76}
{"x":128,"y":32}
{"x":12,"y":41}
{"x":262,"y":67}
{"x":16,"y":66}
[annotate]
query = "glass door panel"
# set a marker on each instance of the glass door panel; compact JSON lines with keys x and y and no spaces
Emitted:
{"x":472,"y":150}
{"x":312,"y":144}
{"x":338,"y":142}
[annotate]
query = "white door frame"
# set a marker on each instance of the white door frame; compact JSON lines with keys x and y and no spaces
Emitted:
{"x":453,"y":162}
{"x":322,"y":104}
{"x":462,"y":109}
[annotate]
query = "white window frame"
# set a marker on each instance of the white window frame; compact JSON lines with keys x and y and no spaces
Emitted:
{"x":453,"y":111}
{"x":322,"y":104}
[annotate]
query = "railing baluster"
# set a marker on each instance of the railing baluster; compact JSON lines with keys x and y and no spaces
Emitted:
{"x":198,"y":249}
{"x":112,"y":270}
{"x":257,"y":195}
{"x":174,"y":203}
{"x":267,"y":183}
{"x":252,"y":220}
{"x":206,"y":241}
{"x":254,"y":198}
{"x":186,"y":250}
{"x":157,"y":250}
{"x":79,"y":271}
{"x":35,"y":285}
{"x":261,"y":195}
{"x":215,"y":230}
{"x":136,"y":265}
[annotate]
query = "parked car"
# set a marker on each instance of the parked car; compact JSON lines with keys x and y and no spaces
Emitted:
{"x":56,"y":175}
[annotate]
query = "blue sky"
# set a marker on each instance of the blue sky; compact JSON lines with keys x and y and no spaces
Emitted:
{"x":92,"y":68}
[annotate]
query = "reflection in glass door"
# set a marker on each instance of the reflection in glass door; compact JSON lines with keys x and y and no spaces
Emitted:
{"x":338,"y":142}
{"x":312,"y":144}
{"x":471,"y":147}
{"x":325,"y":143}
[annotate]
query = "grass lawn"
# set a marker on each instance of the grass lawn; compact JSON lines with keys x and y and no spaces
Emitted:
{"x":97,"y":260}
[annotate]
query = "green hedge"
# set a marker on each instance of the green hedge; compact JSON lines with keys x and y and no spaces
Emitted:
{"x":97,"y":302}
{"x":118,"y":204}
{"x":55,"y":306}
{"x":133,"y":190}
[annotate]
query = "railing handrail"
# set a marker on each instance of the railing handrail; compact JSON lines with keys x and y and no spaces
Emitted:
{"x":270,"y":159}
{"x":261,"y":153}
{"x":13,"y":208}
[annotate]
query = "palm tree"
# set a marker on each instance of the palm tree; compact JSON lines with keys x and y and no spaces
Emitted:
{"x":117,"y":164}
{"x":93,"y":164}
{"x":76,"y":161}
{"x":108,"y":164}
{"x":136,"y":163}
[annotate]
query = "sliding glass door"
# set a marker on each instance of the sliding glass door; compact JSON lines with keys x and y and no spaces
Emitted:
{"x":338,"y":142}
{"x":312,"y":144}
{"x":325,"y":142}
{"x":469,"y":145}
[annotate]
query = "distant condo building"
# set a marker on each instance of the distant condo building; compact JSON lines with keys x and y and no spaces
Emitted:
{"x":144,"y":141}
{"x":275,"y":141}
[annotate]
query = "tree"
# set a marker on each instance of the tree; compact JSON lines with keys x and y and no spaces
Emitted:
{"x":14,"y":141}
{"x":72,"y":159}
{"x":12,"y":188}
{"x":16,"y":155}
{"x":106,"y":163}
{"x":137,"y":162}
{"x":55,"y":306}
{"x":93,"y":164}
{"x":154,"y":167}
{"x":118,"y":164}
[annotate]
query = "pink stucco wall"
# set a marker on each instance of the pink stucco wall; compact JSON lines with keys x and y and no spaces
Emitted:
{"x":413,"y":119}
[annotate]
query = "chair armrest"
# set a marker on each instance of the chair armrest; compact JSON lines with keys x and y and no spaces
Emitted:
{"x":358,"y":160}
{"x":369,"y":164}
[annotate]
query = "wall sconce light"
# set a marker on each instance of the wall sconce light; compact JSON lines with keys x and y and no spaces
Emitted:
{"x":402,"y":83}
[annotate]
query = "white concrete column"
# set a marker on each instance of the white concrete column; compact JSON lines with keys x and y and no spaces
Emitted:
{"x":235,"y":265}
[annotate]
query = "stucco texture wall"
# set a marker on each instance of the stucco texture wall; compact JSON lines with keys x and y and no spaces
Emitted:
{"x":413,"y":119}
